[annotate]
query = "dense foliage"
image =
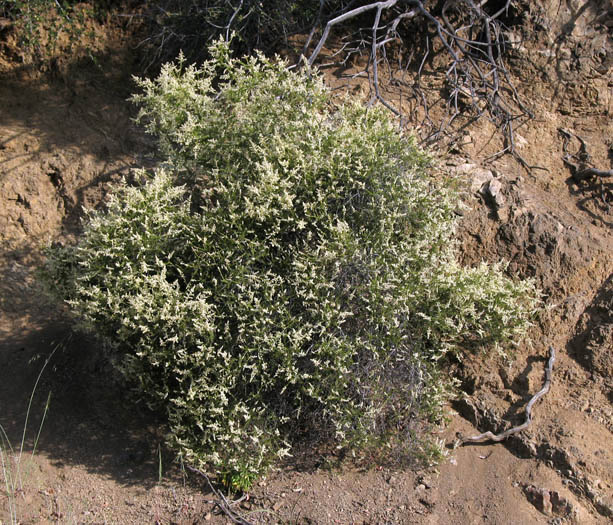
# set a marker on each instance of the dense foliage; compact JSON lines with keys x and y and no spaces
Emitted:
{"x":288,"y":271}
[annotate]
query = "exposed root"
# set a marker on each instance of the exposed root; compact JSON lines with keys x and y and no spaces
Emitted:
{"x":489,"y":436}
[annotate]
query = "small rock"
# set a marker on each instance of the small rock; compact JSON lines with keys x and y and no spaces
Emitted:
{"x":493,"y":192}
{"x":560,"y":505}
{"x":464,"y":169}
{"x":598,"y":484}
{"x":425,"y":481}
{"x":479,"y":178}
{"x":549,"y":502}
{"x":604,"y":505}
{"x":503,"y":214}
{"x":547,"y":507}
{"x":520,"y":141}
{"x":512,"y":39}
{"x":540,"y":498}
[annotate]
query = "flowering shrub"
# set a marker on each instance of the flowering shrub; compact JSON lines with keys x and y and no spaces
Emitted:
{"x":288,"y":271}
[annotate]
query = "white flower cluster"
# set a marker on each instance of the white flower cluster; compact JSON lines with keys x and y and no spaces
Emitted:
{"x":290,"y":270}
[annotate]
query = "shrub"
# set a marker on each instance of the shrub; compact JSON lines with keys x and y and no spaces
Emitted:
{"x":289,"y":270}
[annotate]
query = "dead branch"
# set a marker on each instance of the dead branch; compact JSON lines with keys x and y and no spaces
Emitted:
{"x":229,"y":24}
{"x":344,"y":17}
{"x":222,"y":502}
{"x":591,"y":172}
{"x":478,"y":83}
{"x":489,"y":436}
{"x":580,"y":168}
{"x":467,"y":34}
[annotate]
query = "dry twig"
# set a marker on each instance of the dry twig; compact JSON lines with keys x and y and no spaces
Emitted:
{"x":477,"y":81}
{"x":580,"y":169}
{"x":222,"y":502}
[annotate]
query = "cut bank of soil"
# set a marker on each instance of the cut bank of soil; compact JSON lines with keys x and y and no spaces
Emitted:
{"x":66,"y":136}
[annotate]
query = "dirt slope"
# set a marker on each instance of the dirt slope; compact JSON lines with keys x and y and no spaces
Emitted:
{"x":66,"y":136}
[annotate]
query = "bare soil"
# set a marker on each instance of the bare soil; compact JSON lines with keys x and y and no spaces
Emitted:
{"x":66,"y":137}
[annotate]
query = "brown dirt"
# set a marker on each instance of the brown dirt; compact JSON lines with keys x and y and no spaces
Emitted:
{"x":66,"y":136}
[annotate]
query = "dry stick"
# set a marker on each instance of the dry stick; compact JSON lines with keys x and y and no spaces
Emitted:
{"x":222,"y":502}
{"x":496,"y":102}
{"x":229,"y":25}
{"x":583,"y":156}
{"x":466,"y":67}
{"x":489,"y":436}
{"x":589,"y":172}
{"x":375,"y":62}
{"x":346,"y":16}
{"x":379,"y":6}
{"x":314,"y":28}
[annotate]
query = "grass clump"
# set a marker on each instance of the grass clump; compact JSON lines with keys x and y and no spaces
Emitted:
{"x":12,"y":460}
{"x":288,"y":272}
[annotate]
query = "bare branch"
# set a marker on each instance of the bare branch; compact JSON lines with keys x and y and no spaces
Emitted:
{"x":229,"y":25}
{"x":489,"y":436}
{"x":222,"y":502}
{"x":347,"y":16}
{"x":478,"y":83}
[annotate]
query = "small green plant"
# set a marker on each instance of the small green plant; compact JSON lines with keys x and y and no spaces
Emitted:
{"x":288,"y":274}
{"x":238,"y":480}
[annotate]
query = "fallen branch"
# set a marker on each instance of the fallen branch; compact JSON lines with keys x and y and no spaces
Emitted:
{"x":489,"y":436}
{"x":586,"y":173}
{"x":222,"y":502}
